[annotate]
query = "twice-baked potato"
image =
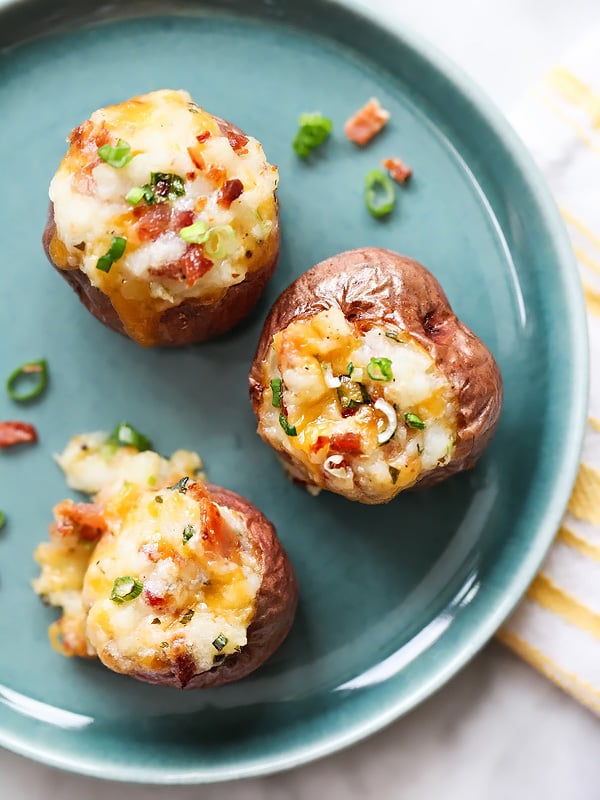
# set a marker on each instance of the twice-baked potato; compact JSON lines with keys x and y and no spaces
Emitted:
{"x":366,"y":383}
{"x":164,"y":219}
{"x":182,"y":584}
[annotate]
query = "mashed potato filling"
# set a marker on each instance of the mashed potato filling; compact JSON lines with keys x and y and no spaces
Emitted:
{"x":192,"y":200}
{"x":356,"y":409}
{"x":153,"y":576}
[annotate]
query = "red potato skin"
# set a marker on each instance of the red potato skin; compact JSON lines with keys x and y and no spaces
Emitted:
{"x":192,"y":321}
{"x":374,"y":285}
{"x":276,"y":604}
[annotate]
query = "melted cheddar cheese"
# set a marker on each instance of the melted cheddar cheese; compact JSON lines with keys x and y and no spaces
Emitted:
{"x":362,"y":412}
{"x":195,"y":571}
{"x":228,"y":187}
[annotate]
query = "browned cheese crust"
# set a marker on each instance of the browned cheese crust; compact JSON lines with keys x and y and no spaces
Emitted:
{"x":190,"y":322}
{"x":378,"y":286}
{"x":276,"y":604}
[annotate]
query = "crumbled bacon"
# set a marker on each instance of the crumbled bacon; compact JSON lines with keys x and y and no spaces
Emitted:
{"x":345,"y":443}
{"x":202,"y":137}
{"x":181,"y":219}
{"x":88,"y":137}
{"x":398,"y":170}
{"x":153,"y":221}
{"x":319,"y":443}
{"x":194,"y":264}
{"x":153,"y":600}
{"x":13,"y":432}
{"x":197,"y":159}
{"x":229,"y":192}
{"x":217,"y":175}
{"x":237,"y":139}
{"x":85,"y":520}
{"x":366,"y":123}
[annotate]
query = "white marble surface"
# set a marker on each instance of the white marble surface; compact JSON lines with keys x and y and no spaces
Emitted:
{"x":498,"y":731}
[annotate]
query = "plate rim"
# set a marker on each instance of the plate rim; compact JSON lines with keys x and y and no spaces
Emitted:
{"x":549,"y":520}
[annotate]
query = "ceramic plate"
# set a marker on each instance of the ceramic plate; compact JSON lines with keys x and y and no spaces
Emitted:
{"x":394,"y":599}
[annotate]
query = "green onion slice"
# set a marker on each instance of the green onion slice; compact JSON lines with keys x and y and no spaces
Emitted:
{"x":186,"y":616}
{"x":167,"y":185}
{"x":314,"y":130}
{"x":220,"y":642}
{"x":289,"y":429}
{"x":125,"y":435}
{"x":352,"y":394}
{"x":114,"y":253}
{"x":220,"y":241}
{"x":155,"y":621}
{"x":394,"y":474}
{"x":276,"y":391}
{"x":414,"y":421}
{"x":380,"y":194}
{"x":116,"y":155}
{"x":380,"y":369}
{"x":31,"y":370}
{"x":350,"y":369}
{"x":125,"y":588}
{"x":188,"y":532}
{"x":180,"y":486}
{"x":134,"y":195}
{"x":2,"y":519}
{"x":197,"y":233}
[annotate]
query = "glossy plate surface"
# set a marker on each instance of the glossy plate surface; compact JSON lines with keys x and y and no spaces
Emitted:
{"x":394,"y":599}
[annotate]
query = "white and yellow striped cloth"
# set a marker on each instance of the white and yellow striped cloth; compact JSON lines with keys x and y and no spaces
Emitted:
{"x":557,"y":626}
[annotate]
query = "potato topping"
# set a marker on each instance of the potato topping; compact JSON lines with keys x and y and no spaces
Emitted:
{"x":153,"y":576}
{"x":158,"y":202}
{"x":356,"y":408}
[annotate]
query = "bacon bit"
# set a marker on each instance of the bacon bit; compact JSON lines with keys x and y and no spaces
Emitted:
{"x":181,"y":219}
{"x":153,"y":600}
{"x":154,"y":220}
{"x":366,"y":123}
{"x":200,"y":204}
{"x":346,"y":443}
{"x":217,"y":175}
{"x":194,"y":264}
{"x":88,"y":137}
{"x":14,"y":432}
{"x":218,"y":540}
{"x":197,"y":159}
{"x":190,"y":176}
{"x":229,"y":192}
{"x":398,"y":170}
{"x":202,"y":137}
{"x":237,"y":140}
{"x":319,"y":444}
{"x":86,"y":520}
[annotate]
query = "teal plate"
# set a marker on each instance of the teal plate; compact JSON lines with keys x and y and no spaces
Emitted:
{"x":394,"y":599}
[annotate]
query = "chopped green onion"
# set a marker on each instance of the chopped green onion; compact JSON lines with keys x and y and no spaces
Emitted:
{"x":220,"y":241}
{"x":158,"y":499}
{"x":394,"y":474}
{"x":2,"y":519}
{"x":188,"y":532}
{"x":380,"y":194}
{"x":167,"y":185}
{"x":414,"y":421}
{"x":125,"y":435}
{"x":197,"y":233}
{"x":352,"y":394}
{"x":164,"y":644}
{"x":180,"y":486}
{"x":114,"y":253}
{"x":289,"y":429}
{"x":118,"y":155}
{"x":155,"y":621}
{"x":276,"y":392}
{"x":37,"y":370}
{"x":392,"y":335}
{"x":187,"y":616}
{"x":134,"y":195}
{"x":220,"y":642}
{"x":314,"y":130}
{"x":125,"y":588}
{"x":380,"y":369}
{"x":350,"y":369}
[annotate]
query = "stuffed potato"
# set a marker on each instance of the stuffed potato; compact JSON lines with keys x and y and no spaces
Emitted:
{"x":182,"y":584}
{"x":366,"y":383}
{"x":164,"y":219}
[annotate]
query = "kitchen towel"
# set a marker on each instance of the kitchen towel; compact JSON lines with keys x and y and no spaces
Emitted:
{"x":557,"y":626}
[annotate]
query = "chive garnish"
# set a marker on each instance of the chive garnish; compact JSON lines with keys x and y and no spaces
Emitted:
{"x":187,"y":616}
{"x":114,"y":253}
{"x":220,"y":642}
{"x":276,"y":392}
{"x":180,"y":486}
{"x":350,"y":369}
{"x":125,"y":435}
{"x":314,"y":130}
{"x":414,"y":421}
{"x":125,"y":588}
{"x":167,"y":185}
{"x":394,"y":474}
{"x":380,"y":369}
{"x":116,"y":155}
{"x":155,"y":621}
{"x":37,"y":370}
{"x":2,"y":519}
{"x":188,"y":532}
{"x":380,"y":194}
{"x":220,"y":241}
{"x":197,"y":233}
{"x":392,"y":335}
{"x":289,"y":429}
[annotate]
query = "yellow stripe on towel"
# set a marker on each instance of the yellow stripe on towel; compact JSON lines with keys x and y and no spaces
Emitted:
{"x":576,"y":92}
{"x":585,"y":500}
{"x":581,"y":690}
{"x":581,"y":133}
{"x":584,"y":547}
{"x":595,"y":423}
{"x":547,"y":594}
{"x":587,"y":260}
{"x":592,"y":301}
